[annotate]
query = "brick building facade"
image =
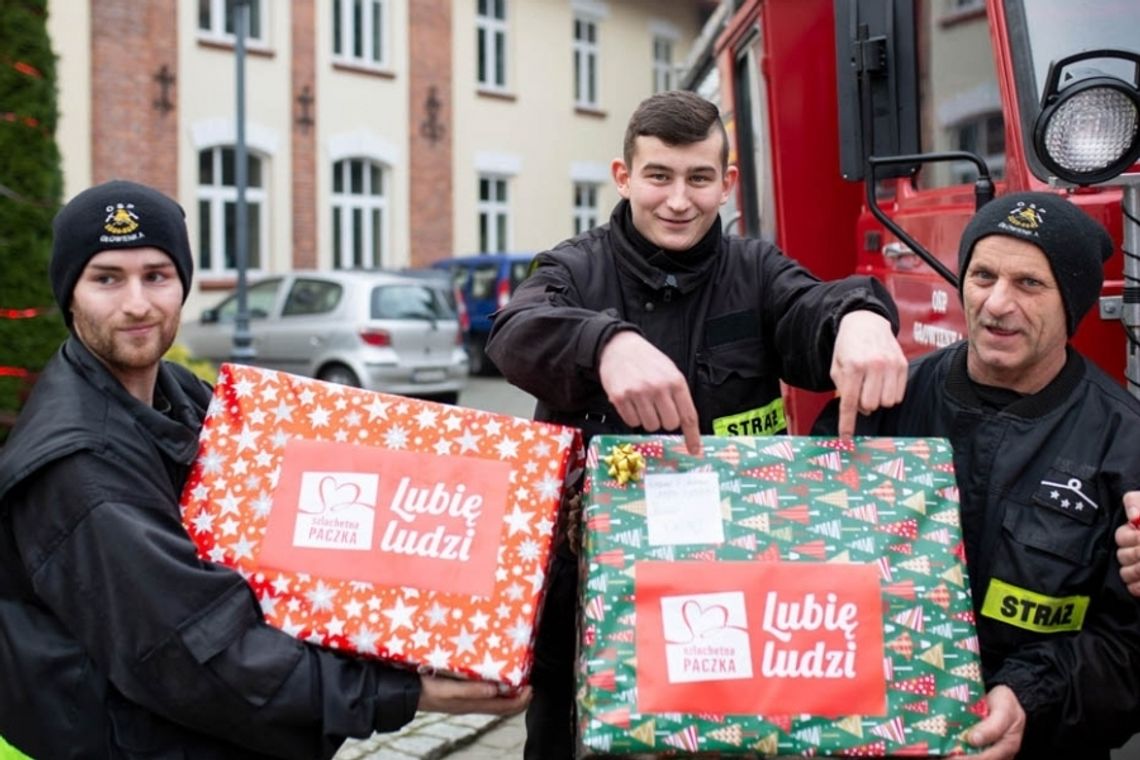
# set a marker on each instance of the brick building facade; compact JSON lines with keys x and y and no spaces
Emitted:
{"x":381,"y":133}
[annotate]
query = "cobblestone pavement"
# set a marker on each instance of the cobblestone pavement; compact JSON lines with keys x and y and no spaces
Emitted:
{"x":434,"y":735}
{"x":503,"y":742}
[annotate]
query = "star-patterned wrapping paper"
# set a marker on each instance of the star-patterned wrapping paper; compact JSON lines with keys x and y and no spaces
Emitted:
{"x":344,"y":557}
{"x":885,"y":510}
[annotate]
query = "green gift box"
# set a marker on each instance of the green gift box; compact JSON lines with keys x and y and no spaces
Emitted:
{"x":775,"y":596}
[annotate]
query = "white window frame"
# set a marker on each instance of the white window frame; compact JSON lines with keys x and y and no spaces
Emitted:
{"x":586,"y":56}
{"x":491,"y":210}
{"x":663,"y":73}
{"x":953,"y":10}
{"x":493,"y":32}
{"x":372,"y":12}
{"x":980,"y":125}
{"x":215,"y":31}
{"x":585,"y":212}
{"x":216,"y":196}
{"x":346,"y":202}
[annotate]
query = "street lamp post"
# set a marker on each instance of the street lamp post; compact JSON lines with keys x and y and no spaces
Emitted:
{"x":243,"y":350}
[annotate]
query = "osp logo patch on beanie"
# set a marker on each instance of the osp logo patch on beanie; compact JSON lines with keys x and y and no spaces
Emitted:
{"x":121,"y":219}
{"x":1025,"y":216}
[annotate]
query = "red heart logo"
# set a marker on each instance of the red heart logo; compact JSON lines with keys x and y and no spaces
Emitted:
{"x":703,"y":621}
{"x":335,"y":495}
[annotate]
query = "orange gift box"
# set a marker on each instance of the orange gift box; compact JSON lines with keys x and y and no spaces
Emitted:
{"x":379,"y":525}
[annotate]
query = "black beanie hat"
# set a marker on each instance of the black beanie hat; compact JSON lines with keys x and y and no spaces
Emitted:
{"x":116,"y":214}
{"x":1075,"y":244}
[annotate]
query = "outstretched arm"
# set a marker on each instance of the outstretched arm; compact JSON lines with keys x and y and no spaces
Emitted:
{"x":833,"y":334}
{"x":447,"y":695}
{"x":867,"y":366}
{"x":647,"y":388}
{"x":547,"y":342}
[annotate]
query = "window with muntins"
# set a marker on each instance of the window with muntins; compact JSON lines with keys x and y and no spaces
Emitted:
{"x":359,"y":214}
{"x":494,"y":214}
{"x":491,"y":44}
{"x":585,"y":206}
{"x":662,"y":64}
{"x":361,"y":32}
{"x":585,"y":62}
{"x":216,"y":20}
{"x":217,"y":210}
{"x":984,"y":135}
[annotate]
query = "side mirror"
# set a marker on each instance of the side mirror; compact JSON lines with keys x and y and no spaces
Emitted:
{"x":877,"y":84}
{"x":209,"y":316}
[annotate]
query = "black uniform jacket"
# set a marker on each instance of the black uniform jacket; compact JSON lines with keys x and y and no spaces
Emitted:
{"x":1041,"y":484}
{"x":116,"y":640}
{"x":734,"y":315}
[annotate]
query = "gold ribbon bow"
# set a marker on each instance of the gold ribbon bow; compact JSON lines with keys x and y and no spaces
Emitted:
{"x":625,"y":463}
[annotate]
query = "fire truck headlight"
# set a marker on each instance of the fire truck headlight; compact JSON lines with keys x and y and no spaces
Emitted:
{"x":1090,"y":132}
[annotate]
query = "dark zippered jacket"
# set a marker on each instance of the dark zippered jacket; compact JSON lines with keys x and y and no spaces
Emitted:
{"x":736,"y":317}
{"x":1041,"y":484}
{"x":116,"y":640}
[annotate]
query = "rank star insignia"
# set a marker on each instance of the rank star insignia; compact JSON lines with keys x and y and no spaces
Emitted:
{"x":1068,"y":495}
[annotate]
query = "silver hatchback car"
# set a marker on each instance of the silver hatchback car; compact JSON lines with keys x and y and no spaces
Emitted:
{"x":372,"y":330}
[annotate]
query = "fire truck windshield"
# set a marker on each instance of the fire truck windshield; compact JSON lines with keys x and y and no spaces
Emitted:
{"x":1058,"y":28}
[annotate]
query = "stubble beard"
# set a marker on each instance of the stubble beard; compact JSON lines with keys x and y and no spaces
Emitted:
{"x":120,"y":354}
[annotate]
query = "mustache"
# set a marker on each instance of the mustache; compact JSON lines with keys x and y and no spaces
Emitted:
{"x":997,"y":324}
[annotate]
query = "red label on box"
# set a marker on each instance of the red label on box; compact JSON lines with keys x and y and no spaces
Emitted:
{"x":397,"y":518}
{"x":773,"y":638}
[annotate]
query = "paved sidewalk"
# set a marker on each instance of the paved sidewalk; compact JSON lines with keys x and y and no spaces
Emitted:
{"x":435,"y":735}
{"x":503,"y":742}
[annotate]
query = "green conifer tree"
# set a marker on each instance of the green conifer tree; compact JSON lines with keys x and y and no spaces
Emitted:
{"x":30,"y":188}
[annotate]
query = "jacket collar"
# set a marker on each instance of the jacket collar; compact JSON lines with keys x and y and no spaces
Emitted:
{"x":656,"y":268}
{"x":175,"y":433}
{"x":961,"y":387}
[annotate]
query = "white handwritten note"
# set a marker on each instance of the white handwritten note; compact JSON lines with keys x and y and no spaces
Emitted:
{"x":683,"y":508}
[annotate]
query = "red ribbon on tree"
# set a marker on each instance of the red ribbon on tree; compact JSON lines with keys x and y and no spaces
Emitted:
{"x":28,"y":313}
{"x":21,"y":313}
{"x":27,"y":69}
{"x":27,"y":121}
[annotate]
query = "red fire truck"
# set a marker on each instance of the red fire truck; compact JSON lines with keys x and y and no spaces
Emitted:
{"x":867,"y":132}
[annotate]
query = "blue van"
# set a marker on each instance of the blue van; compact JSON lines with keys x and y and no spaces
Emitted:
{"x":483,"y":285}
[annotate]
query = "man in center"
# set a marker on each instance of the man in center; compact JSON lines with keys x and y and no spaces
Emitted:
{"x":657,"y":321}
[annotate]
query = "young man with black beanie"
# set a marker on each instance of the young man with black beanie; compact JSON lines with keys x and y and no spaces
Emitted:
{"x":116,"y":639}
{"x":1045,"y":453}
{"x":659,"y":322}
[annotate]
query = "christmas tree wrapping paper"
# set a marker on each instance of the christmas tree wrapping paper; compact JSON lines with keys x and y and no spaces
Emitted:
{"x":380,"y":525}
{"x":775,"y":596}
